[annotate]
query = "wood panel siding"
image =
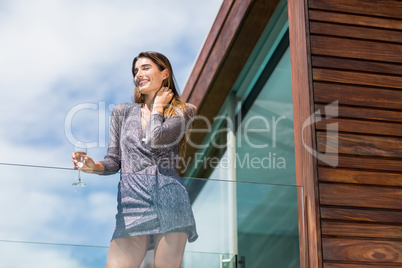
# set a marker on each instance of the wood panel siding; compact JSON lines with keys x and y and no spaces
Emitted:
{"x":362,"y":126}
{"x":380,"y":8}
{"x":353,"y":19}
{"x":356,"y":64}
{"x":353,"y":95}
{"x":344,"y":265}
{"x":365,"y":163}
{"x":359,"y":112}
{"x":356,"y":32}
{"x":358,"y":78}
{"x":356,"y":49}
{"x":354,"y":144}
{"x":344,"y":175}
{"x":362,"y":250}
{"x":366,"y":230}
{"x":337,"y":194}
{"x":361,"y":214}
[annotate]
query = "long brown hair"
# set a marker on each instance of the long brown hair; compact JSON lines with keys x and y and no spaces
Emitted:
{"x":177,"y":105}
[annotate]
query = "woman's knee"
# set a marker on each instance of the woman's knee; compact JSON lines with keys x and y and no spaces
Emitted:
{"x":169,"y":262}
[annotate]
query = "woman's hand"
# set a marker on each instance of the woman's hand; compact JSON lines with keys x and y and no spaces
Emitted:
{"x":162,"y":98}
{"x":89,"y":165}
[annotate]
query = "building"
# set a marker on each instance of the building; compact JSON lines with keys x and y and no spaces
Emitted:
{"x":317,"y":85}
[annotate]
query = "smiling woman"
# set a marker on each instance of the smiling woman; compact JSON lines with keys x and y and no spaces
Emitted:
{"x":146,"y":138}
{"x":152,"y":71}
{"x":81,"y":64}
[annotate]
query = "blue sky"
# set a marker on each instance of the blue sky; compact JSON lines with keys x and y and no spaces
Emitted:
{"x":58,"y":54}
{"x":55,"y":56}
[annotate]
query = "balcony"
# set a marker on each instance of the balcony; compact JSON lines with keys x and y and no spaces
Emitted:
{"x":46,"y":222}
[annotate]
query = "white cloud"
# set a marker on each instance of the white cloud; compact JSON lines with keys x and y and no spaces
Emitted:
{"x":100,"y":205}
{"x":56,"y":54}
{"x":40,"y":205}
{"x":16,"y":255}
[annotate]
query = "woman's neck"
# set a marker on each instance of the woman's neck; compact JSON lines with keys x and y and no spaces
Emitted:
{"x":148,"y":102}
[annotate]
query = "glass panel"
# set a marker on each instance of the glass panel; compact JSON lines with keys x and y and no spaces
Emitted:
{"x":67,"y":256}
{"x":35,"y":255}
{"x":40,"y":205}
{"x":213,"y":260}
{"x":52,"y":224}
{"x":207,"y":161}
{"x":268,"y":225}
{"x":265,"y":139}
{"x":267,"y":215}
{"x":211,"y":213}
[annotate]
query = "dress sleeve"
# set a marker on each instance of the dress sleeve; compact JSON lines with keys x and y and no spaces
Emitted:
{"x":161,"y":132}
{"x":112,"y":161}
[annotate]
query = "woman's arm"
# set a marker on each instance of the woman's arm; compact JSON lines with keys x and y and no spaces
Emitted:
{"x":161,"y":132}
{"x":112,"y":162}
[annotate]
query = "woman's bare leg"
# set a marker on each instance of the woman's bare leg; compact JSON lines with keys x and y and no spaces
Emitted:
{"x":169,"y":250}
{"x":127,"y":252}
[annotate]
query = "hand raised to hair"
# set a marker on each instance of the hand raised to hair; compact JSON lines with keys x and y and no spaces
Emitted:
{"x":162,"y":98}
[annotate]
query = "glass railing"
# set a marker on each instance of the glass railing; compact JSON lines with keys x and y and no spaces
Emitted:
{"x":46,"y":222}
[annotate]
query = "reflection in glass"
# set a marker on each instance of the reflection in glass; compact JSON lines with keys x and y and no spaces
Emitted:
{"x":268,"y":216}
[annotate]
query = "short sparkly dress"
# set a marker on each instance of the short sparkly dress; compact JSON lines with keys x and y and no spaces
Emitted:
{"x":151,"y":196}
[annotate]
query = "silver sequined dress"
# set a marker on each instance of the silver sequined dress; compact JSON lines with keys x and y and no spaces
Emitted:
{"x":151,"y":196}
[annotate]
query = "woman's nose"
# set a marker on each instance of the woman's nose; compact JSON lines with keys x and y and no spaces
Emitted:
{"x":139,"y":74}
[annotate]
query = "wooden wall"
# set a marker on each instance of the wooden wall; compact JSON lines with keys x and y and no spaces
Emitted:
{"x":355,"y":58}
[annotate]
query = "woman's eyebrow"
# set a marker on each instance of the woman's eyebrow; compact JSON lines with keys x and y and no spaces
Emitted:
{"x":145,"y":65}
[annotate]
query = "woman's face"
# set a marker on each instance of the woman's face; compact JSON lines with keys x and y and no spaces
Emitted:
{"x":148,"y":78}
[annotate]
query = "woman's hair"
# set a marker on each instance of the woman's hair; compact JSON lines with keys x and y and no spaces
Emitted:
{"x":177,"y":105}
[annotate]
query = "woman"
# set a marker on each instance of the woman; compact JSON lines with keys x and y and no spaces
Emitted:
{"x":146,"y":139}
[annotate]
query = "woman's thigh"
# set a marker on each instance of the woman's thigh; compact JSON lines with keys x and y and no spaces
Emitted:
{"x":127,"y":252}
{"x":169,"y":249}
